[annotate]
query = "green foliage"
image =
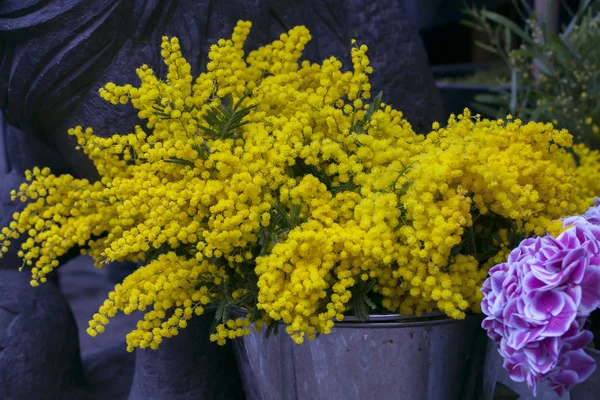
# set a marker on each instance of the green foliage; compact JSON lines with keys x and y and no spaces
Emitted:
{"x":273,"y":328}
{"x":244,"y":277}
{"x":221,"y":122}
{"x":179,"y":161}
{"x":224,"y":120}
{"x":153,"y":253}
{"x":482,"y":239}
{"x":224,"y":304}
{"x":493,"y":77}
{"x":362,"y":125}
{"x":362,"y":305}
{"x":554,"y":77}
{"x":203,"y":151}
{"x":280,"y":224}
{"x":300,"y":169}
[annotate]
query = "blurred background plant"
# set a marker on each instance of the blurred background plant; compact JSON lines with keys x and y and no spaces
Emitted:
{"x":492,"y":76}
{"x":554,"y":72}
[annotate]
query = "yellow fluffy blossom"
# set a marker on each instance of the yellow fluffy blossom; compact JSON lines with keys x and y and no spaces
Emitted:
{"x":286,"y":188}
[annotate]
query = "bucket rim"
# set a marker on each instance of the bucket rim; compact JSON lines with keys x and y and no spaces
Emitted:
{"x":386,"y":321}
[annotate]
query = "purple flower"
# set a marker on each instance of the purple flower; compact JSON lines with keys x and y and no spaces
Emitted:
{"x":572,"y":368}
{"x":537,"y":302}
{"x":590,"y":288}
{"x":593,"y":214}
{"x":575,"y":220}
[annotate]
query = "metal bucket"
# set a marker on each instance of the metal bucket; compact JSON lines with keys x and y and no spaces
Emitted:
{"x":391,"y":357}
{"x":589,"y":389}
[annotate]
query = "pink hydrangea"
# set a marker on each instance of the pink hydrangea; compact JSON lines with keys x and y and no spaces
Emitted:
{"x":537,"y":302}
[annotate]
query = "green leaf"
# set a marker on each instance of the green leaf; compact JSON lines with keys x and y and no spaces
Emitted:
{"x":295,"y":215}
{"x":203,"y":151}
{"x":490,"y":99}
{"x":539,"y":110}
{"x":470,"y":24}
{"x":563,"y":48}
{"x":224,"y":120}
{"x":486,"y":47}
{"x":223,"y":307}
{"x":361,"y":125}
{"x":513,"y":91}
{"x":375,"y":105}
{"x":180,"y":161}
{"x":301,"y":169}
{"x":280,"y":224}
{"x":583,"y":5}
{"x":272,"y":328}
{"x":245,"y":298}
{"x":507,"y":40}
{"x":153,"y":253}
{"x":489,"y":111}
{"x":455,"y":251}
{"x":361,"y":304}
{"x":369,"y":303}
{"x":223,"y":310}
{"x":502,"y":20}
{"x":543,"y":67}
{"x":348,"y":186}
{"x":528,"y":8}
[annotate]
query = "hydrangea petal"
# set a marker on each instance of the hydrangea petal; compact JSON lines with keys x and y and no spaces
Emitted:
{"x":590,"y":287}
{"x":531,"y":283}
{"x":578,"y":340}
{"x":543,"y":304}
{"x":582,"y":364}
{"x":560,"y":323}
{"x":574,"y":265}
{"x":575,"y":292}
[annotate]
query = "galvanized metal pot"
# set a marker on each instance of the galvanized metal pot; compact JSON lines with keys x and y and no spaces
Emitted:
{"x":391,"y":357}
{"x":590,"y":388}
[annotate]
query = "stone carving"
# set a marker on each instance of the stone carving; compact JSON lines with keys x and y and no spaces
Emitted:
{"x":40,"y":357}
{"x":54,"y":55}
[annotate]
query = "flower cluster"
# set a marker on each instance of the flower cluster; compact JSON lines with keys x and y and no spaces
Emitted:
{"x":537,"y":302}
{"x":286,"y":188}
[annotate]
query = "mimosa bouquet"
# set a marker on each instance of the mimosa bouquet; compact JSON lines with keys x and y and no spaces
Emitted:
{"x":288,"y":189}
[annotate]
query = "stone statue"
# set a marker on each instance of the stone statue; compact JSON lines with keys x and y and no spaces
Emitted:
{"x":54,"y":55}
